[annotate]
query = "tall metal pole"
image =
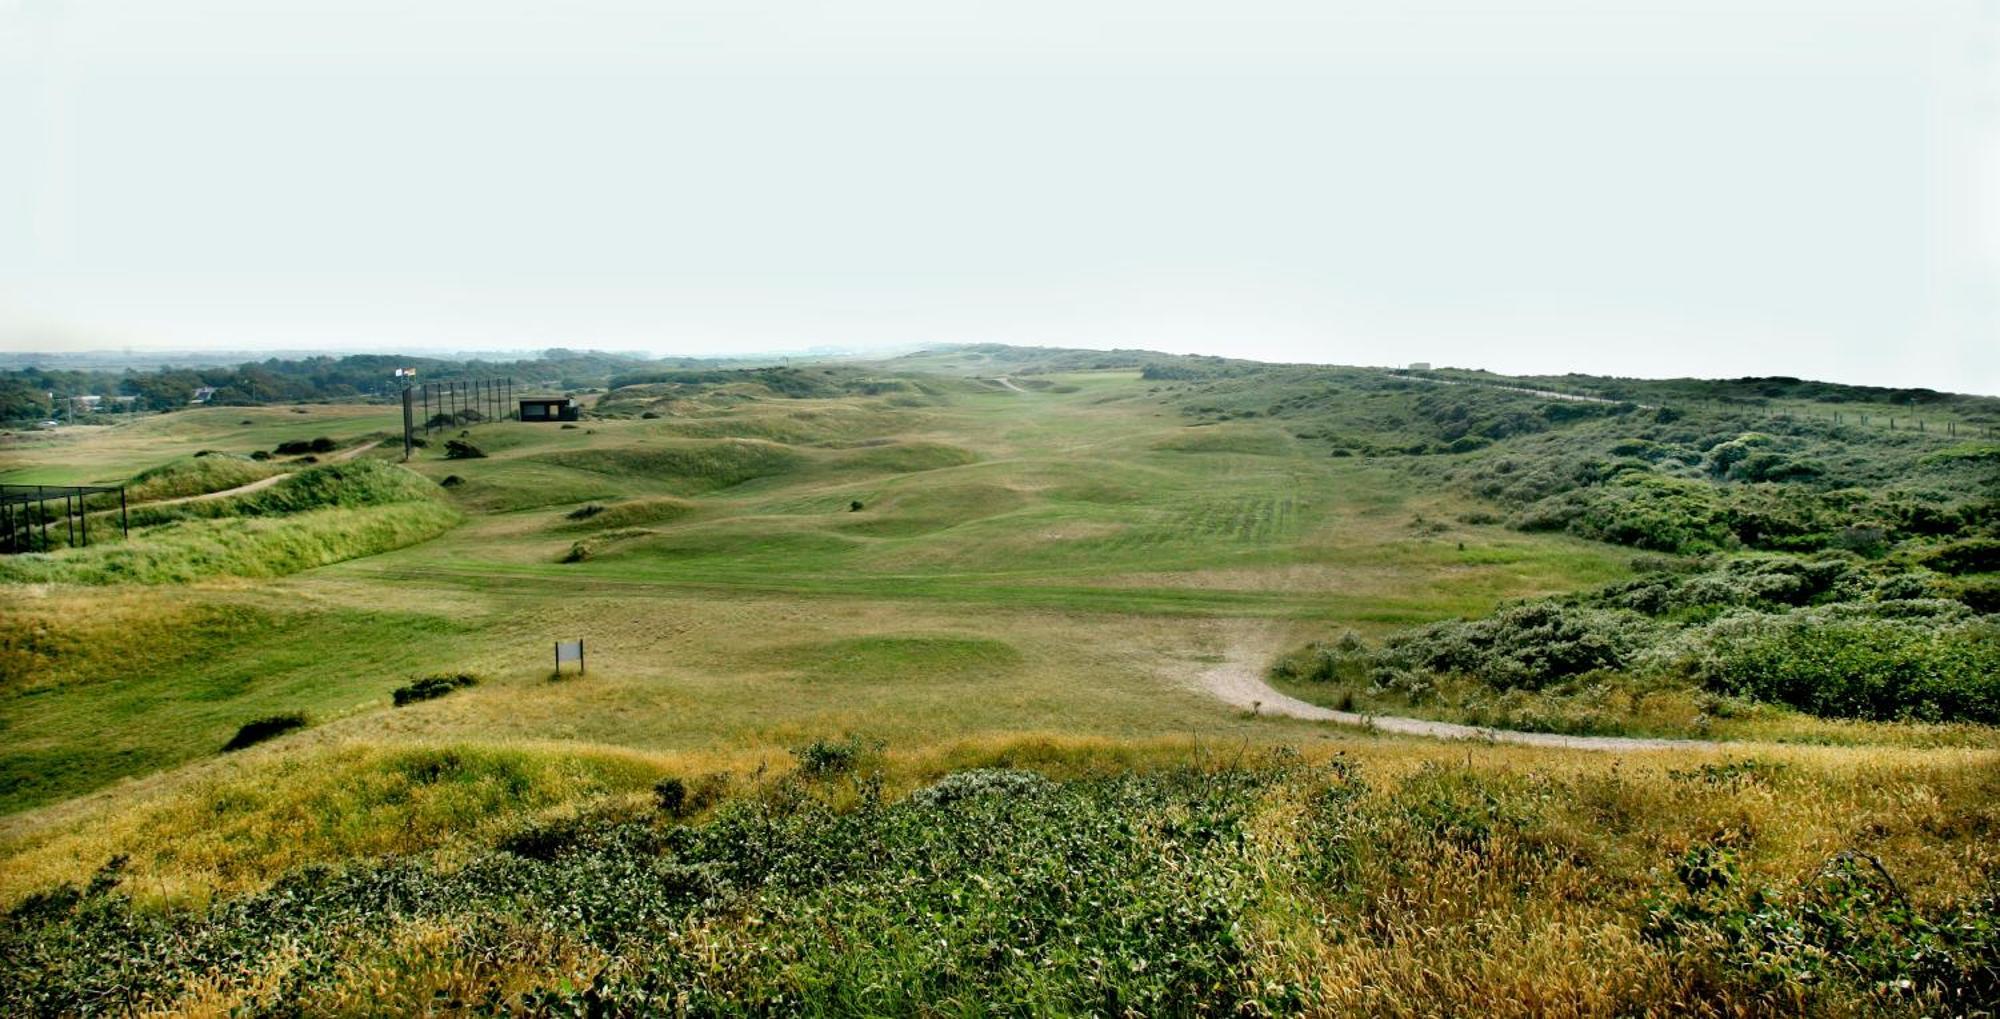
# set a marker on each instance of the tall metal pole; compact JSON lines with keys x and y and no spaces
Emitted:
{"x":409,"y":412}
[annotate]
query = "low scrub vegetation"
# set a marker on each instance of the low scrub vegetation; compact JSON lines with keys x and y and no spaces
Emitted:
{"x":1201,"y":888}
{"x":1834,"y":636}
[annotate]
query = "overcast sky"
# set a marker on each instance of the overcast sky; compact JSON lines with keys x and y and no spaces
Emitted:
{"x":1707,"y":187}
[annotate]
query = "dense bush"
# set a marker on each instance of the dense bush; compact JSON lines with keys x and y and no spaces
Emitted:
{"x":1848,"y":665}
{"x":269,"y":727}
{"x":1526,"y":646}
{"x":432,"y":687}
{"x":460,"y":449}
{"x":1832,"y":635}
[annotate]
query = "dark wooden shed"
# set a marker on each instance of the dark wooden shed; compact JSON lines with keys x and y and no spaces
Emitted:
{"x":550,"y":408}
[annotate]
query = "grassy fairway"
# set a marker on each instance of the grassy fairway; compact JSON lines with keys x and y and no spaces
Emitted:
{"x":1087,"y":547}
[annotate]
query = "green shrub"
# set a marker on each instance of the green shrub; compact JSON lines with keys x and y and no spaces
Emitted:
{"x":296,"y":447}
{"x":432,"y":687}
{"x":461,"y":449}
{"x":1973,"y":555}
{"x":825,"y":758}
{"x":1526,"y":646}
{"x":269,"y":727}
{"x":676,"y":797}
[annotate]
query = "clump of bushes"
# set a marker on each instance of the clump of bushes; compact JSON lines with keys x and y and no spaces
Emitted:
{"x":1525,"y":646}
{"x":258,"y":730}
{"x":433,"y":687}
{"x":585,"y":512}
{"x":296,"y":447}
{"x":1832,"y":635}
{"x":452,"y":481}
{"x":462,"y":449}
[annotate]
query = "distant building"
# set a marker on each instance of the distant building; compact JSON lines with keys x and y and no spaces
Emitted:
{"x":550,"y":408}
{"x":1420,"y":366}
{"x":202,"y":395}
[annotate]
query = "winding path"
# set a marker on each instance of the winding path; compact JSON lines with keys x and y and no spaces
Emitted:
{"x":1238,"y":681}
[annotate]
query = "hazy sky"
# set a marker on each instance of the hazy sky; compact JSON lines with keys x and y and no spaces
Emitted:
{"x":1712,"y":187}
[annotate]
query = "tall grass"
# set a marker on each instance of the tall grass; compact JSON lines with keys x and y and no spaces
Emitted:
{"x":196,"y":475}
{"x":253,"y":547}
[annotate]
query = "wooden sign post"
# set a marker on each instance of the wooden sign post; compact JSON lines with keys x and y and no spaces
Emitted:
{"x":569,"y":651}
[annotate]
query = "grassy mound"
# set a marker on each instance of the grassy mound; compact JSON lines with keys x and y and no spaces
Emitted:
{"x":693,"y":465}
{"x":906,"y":457}
{"x":923,"y":508}
{"x":344,"y":485}
{"x":632,"y":513}
{"x":255,"y":547}
{"x":196,"y":475}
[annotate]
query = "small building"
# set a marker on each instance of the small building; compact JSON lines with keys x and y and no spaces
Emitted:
{"x":202,"y":394}
{"x":1420,"y":366}
{"x":550,"y":408}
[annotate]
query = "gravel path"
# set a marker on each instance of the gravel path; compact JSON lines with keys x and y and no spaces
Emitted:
{"x":1240,"y":682}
